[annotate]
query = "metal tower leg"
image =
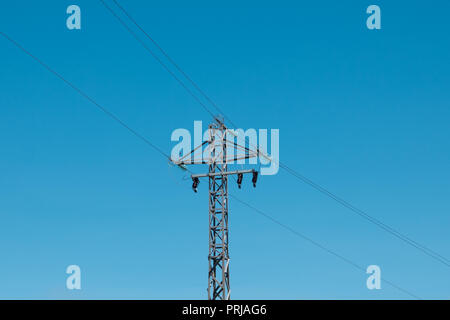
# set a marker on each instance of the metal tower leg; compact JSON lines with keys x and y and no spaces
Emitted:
{"x":219,"y":275}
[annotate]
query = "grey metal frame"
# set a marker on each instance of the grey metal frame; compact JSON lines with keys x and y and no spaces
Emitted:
{"x":218,"y":257}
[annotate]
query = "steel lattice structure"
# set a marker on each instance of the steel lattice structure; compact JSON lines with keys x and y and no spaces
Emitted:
{"x":218,"y":257}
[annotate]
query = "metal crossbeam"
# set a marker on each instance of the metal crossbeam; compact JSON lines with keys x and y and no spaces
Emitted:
{"x":227,"y":173}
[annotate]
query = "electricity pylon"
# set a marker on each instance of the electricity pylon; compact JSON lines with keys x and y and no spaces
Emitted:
{"x":218,"y":156}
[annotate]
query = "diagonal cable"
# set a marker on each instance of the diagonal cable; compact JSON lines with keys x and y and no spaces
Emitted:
{"x":149,"y":143}
{"x":317,"y":244}
{"x":429,"y":252}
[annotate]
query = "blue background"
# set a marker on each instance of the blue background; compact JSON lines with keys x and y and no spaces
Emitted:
{"x":363,"y":113}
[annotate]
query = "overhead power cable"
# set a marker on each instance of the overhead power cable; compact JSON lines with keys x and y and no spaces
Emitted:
{"x":153,"y":146}
{"x":174,"y":63}
{"x":429,"y":252}
{"x":189,"y":91}
{"x":317,"y":244}
{"x":86,"y":96}
{"x":369,"y":218}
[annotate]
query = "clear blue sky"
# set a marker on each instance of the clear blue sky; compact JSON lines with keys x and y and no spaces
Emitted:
{"x":363,"y":113}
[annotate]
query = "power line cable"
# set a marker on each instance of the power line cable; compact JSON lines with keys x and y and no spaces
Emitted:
{"x":86,"y":96}
{"x":157,"y":58}
{"x":173,"y":62}
{"x":149,"y":143}
{"x":315,"y":243}
{"x":368,"y":217}
{"x":438,"y":257}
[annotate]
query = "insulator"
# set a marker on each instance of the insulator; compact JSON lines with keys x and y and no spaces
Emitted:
{"x":255,"y":178}
{"x":239,"y":179}
{"x":195,"y":182}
